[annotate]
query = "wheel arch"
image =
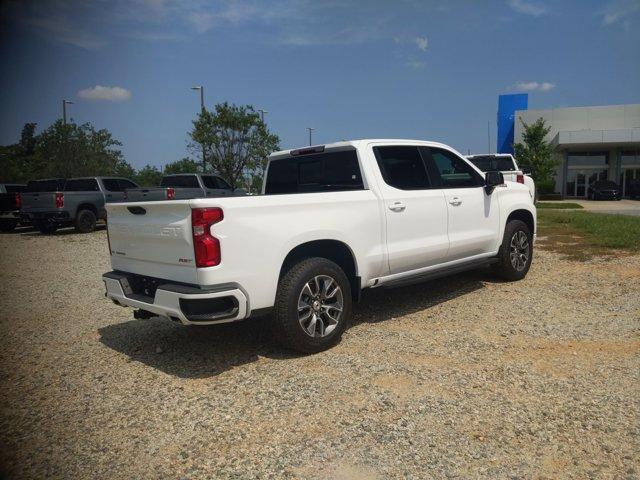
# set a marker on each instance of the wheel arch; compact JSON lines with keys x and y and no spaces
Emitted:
{"x":525,"y":216}
{"x":87,"y":206}
{"x":334,"y":250}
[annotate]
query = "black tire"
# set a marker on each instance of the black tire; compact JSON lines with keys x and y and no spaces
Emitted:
{"x":505,"y":268}
{"x":85,"y":221}
{"x":8,"y":225}
{"x":46,"y":228}
{"x":287,"y":326}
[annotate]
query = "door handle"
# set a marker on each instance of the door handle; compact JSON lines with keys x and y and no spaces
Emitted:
{"x":455,"y":201}
{"x":397,"y":207}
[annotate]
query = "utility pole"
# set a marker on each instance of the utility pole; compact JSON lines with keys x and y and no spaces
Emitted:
{"x":310,"y":130}
{"x":262,"y":112}
{"x":64,"y":109}
{"x":201,"y":88}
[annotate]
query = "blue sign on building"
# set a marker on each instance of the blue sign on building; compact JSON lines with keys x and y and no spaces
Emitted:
{"x":507,"y":106}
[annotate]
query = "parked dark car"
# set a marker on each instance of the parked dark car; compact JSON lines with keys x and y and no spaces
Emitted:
{"x":604,"y":190}
{"x":10,"y":201}
{"x":633,"y":189}
{"x":81,"y":202}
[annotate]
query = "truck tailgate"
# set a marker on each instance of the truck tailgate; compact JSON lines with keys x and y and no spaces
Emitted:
{"x":42,"y":201}
{"x":153,"y":239}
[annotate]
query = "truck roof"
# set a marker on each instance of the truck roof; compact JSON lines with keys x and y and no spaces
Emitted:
{"x":358,"y":143}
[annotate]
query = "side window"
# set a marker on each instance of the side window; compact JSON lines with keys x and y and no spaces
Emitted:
{"x":126,"y":184}
{"x":209,"y":181}
{"x":222,"y":183}
{"x":111,"y":184}
{"x":402,"y":167}
{"x":451,"y":171}
{"x":81,"y":185}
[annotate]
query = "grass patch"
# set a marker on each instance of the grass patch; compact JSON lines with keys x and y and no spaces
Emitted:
{"x":557,"y":205}
{"x":582,"y":235}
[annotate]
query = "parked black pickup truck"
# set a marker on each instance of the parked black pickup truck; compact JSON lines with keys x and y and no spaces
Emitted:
{"x":79,"y":203}
{"x":10,"y":201}
{"x":185,"y":186}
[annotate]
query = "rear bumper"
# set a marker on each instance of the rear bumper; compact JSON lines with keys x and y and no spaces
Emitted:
{"x":188,"y":304}
{"x":10,"y":215}
{"x":54,"y":216}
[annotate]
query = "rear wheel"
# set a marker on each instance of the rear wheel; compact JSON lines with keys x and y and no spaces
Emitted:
{"x":85,"y":221}
{"x":313,"y":306}
{"x":516,"y":252}
{"x":8,"y":225}
{"x":46,"y":228}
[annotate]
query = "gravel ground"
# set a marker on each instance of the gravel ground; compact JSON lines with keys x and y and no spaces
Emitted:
{"x":459,"y":378}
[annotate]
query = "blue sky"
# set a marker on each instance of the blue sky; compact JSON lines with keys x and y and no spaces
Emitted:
{"x":351,"y":69}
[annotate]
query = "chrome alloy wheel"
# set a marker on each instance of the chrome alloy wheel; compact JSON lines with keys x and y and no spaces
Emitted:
{"x":519,"y":250}
{"x":320,"y":306}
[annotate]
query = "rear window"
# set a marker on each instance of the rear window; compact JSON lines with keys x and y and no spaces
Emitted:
{"x":490,"y":163}
{"x":180,"y":181}
{"x":15,"y":188}
{"x":322,"y":172}
{"x":81,"y":185}
{"x":53,"y":185}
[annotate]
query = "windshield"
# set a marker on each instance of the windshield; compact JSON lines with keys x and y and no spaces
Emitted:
{"x":605,"y":183}
{"x":488,"y":163}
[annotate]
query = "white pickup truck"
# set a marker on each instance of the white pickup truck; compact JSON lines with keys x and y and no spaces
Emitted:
{"x":505,"y":163}
{"x":332,"y":220}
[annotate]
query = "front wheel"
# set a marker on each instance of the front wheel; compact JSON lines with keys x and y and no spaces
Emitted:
{"x":313,"y":306}
{"x":516,"y":252}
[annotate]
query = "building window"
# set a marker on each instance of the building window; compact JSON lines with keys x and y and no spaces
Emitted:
{"x":584,"y":169}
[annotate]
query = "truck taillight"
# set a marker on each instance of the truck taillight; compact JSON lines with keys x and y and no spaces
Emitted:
{"x":59,"y":199}
{"x":520,"y":178}
{"x":17,"y":200}
{"x":171,"y":193}
{"x":205,"y":246}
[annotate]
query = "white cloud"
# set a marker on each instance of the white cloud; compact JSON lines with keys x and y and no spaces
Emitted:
{"x":110,"y":94}
{"x":415,"y":64}
{"x":527,"y":7}
{"x":422,"y":43}
{"x":619,"y":10}
{"x":534,"y":86}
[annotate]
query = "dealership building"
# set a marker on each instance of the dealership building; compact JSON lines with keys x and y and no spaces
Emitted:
{"x":590,"y":143}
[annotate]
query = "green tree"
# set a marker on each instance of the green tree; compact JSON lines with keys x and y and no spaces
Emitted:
{"x":76,"y":150}
{"x":148,"y":176}
{"x":537,"y":153}
{"x":184,"y":165}
{"x":235,"y":140}
{"x":17,"y":162}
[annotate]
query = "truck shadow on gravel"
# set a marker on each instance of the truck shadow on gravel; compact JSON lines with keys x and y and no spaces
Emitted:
{"x":207,"y":351}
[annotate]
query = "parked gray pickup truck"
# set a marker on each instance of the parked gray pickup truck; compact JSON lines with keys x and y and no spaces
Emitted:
{"x":79,"y":203}
{"x":10,"y":201}
{"x":184,"y":186}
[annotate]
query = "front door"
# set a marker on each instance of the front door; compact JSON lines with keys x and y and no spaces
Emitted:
{"x":416,"y":214}
{"x":474,"y":216}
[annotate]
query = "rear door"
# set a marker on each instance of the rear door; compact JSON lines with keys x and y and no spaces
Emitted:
{"x":416,"y":213}
{"x":474,"y":216}
{"x":153,"y":238}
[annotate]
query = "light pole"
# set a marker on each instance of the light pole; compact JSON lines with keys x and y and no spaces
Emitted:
{"x":310,"y":130}
{"x":201,"y":88}
{"x":64,"y":109}
{"x":262,"y":112}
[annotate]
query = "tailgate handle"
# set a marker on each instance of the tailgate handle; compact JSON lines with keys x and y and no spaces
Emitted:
{"x":137,"y":210}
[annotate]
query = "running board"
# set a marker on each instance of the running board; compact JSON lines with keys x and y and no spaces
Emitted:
{"x":444,"y":272}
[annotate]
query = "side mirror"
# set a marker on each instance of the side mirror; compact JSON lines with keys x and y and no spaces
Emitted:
{"x":492,"y":180}
{"x":527,"y":170}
